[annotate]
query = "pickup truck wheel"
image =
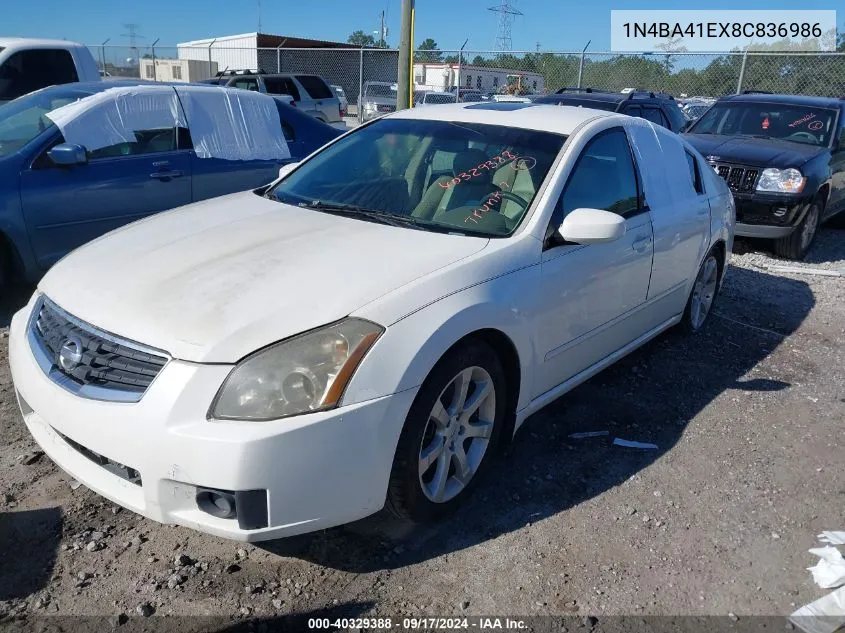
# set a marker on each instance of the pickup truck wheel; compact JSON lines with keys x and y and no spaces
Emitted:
{"x":450,"y":434}
{"x":796,"y":244}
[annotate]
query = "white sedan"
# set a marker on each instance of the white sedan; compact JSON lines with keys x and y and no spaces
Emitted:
{"x":367,"y":330}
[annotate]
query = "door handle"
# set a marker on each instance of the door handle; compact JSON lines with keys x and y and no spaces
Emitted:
{"x":641,"y":243}
{"x":167,"y":175}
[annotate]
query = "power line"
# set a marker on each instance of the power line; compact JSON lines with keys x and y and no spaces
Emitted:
{"x":507,"y":11}
{"x":133,"y":35}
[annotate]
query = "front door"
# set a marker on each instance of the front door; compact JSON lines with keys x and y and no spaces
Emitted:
{"x":592,"y":294}
{"x":65,"y":207}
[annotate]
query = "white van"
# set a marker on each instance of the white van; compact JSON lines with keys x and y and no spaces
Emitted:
{"x":27,"y":65}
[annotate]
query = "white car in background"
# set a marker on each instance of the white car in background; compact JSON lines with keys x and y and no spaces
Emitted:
{"x":366,"y":331}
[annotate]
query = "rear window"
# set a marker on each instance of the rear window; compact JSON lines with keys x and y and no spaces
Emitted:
{"x":30,"y":70}
{"x":676,"y":117}
{"x":439,"y":99}
{"x":315,"y":86}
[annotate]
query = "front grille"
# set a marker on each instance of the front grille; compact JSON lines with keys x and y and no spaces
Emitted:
{"x":739,"y":179}
{"x":89,"y":362}
{"x":386,"y":108}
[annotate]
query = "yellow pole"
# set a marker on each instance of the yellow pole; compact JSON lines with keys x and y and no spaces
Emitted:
{"x":411,"y":73}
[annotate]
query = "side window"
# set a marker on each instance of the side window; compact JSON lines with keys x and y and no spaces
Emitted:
{"x":655,"y":116}
{"x":283,"y":86}
{"x":695,"y":174}
{"x":603,"y":178}
{"x":478,"y":82}
{"x":676,"y":117}
{"x":27,"y":71}
{"x":152,"y":141}
{"x":315,"y":87}
{"x":633,"y":110}
{"x":246,"y":83}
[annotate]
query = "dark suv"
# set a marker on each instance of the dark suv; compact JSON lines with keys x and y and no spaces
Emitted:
{"x":783,"y":156}
{"x":656,"y":107}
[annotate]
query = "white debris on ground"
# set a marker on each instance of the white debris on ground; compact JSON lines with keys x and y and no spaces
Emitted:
{"x":826,"y":614}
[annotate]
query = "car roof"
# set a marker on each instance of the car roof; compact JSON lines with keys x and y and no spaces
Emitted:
{"x":93,"y":87}
{"x":7,"y":42}
{"x":529,"y":116}
{"x":759,"y":97}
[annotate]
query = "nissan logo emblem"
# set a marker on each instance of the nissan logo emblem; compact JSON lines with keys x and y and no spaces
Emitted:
{"x":70,"y":355}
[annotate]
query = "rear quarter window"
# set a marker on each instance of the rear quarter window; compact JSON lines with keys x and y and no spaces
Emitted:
{"x":315,"y":86}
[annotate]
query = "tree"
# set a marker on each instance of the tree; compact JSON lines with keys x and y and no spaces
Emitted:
{"x":428,"y":51}
{"x":840,"y":41}
{"x":359,"y":38}
{"x":671,"y":45}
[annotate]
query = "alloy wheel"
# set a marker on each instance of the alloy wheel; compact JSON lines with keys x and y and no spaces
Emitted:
{"x":457,"y":434}
{"x":704,"y":292}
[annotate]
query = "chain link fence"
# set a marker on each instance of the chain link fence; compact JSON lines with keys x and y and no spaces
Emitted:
{"x":701,"y":74}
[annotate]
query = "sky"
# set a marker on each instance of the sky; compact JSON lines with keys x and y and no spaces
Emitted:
{"x":554,"y":25}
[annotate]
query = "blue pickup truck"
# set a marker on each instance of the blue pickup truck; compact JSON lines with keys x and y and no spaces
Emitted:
{"x":56,"y":195}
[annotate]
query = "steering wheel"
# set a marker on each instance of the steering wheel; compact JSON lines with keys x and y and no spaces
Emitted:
{"x":806,"y":135}
{"x":522,"y":202}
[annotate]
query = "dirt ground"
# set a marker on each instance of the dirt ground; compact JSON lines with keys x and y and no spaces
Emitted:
{"x":748,"y":417}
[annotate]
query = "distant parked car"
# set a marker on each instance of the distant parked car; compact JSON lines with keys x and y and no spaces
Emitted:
{"x":344,"y":102}
{"x":783,"y":156}
{"x":693,"y":110}
{"x":310,"y":93}
{"x":79,"y":160}
{"x":377,"y":98}
{"x":471,"y":97}
{"x":656,"y":107}
{"x":27,"y":65}
{"x":426,"y":97}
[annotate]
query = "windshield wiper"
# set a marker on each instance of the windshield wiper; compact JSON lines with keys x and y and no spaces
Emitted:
{"x":351,"y":210}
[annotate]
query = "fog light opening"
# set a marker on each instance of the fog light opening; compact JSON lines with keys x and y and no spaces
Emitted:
{"x":780,"y":212}
{"x":217,"y":503}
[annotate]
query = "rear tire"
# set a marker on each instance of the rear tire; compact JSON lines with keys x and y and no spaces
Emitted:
{"x":703,"y":294}
{"x":796,"y":244}
{"x":449,"y":439}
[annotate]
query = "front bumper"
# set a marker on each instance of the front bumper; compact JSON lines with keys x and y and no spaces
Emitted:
{"x":318,"y":470}
{"x":769,"y":216}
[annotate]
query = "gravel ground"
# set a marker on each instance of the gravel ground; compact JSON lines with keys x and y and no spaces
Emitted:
{"x":748,"y":420}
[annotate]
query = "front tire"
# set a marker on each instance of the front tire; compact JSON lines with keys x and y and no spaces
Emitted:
{"x":796,"y":244}
{"x":450,"y":434}
{"x":703,"y":295}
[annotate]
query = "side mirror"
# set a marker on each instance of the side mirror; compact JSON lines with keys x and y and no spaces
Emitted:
{"x":592,"y":226}
{"x":68,"y":154}
{"x":285,"y":169}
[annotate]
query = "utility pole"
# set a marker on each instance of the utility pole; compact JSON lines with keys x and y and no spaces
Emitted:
{"x":381,"y":42}
{"x":404,"y":93}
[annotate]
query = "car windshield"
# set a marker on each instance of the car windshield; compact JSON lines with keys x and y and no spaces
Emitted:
{"x":443,"y":176}
{"x":782,"y":121}
{"x":23,"y":119}
{"x":376,"y":90}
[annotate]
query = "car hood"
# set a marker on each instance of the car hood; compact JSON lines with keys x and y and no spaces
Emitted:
{"x":757,"y":152}
{"x":216,"y":280}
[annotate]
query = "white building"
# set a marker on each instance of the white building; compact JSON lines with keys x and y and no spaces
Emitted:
{"x":185,"y":70}
{"x":252,"y":51}
{"x":442,"y":77}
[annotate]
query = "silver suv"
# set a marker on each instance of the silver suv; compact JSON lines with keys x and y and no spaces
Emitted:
{"x":310,"y":93}
{"x":378,"y":99}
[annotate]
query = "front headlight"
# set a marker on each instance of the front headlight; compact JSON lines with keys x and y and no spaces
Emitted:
{"x":306,"y":373}
{"x":781,"y":181}
{"x":370,"y":107}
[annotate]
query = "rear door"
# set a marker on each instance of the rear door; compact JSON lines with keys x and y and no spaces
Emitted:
{"x":65,"y":207}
